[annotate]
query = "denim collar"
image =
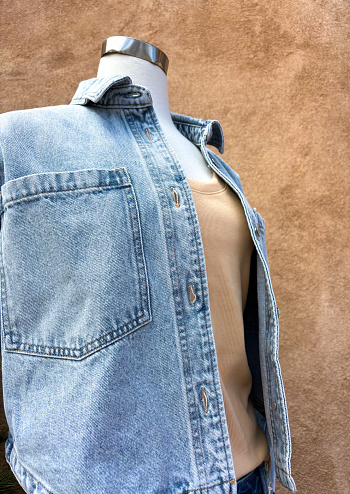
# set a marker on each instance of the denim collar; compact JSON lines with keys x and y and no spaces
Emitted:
{"x":97,"y":91}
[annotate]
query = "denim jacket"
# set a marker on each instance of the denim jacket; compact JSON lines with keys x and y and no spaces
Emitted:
{"x":109,"y":367}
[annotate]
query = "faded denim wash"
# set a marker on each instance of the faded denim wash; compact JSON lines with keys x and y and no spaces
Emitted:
{"x":109,"y":368}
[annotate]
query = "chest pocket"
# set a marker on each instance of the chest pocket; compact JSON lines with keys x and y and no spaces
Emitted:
{"x":73,"y":273}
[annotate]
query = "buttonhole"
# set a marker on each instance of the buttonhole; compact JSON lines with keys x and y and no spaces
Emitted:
{"x":132,"y":95}
{"x":204,"y":400}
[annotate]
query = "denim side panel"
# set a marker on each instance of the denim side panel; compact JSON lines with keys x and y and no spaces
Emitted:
{"x":274,"y":396}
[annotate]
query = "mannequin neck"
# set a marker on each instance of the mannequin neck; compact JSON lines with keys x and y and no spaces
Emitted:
{"x":149,"y":75}
{"x":143,"y":73}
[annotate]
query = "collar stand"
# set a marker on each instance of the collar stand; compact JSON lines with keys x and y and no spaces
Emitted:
{"x":94,"y":89}
{"x":197,"y":129}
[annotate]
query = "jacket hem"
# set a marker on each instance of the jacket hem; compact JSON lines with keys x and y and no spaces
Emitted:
{"x":33,"y":486}
{"x":286,"y":479}
{"x":26,"y":480}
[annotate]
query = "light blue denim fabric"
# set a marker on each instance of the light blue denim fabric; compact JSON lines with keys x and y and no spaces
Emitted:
{"x":109,"y":367}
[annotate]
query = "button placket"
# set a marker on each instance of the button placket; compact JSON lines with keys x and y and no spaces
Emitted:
{"x":191,"y":275}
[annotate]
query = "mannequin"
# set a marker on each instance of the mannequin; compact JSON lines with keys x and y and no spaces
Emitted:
{"x":128,"y":256}
{"x":234,"y":274}
{"x":145,"y":73}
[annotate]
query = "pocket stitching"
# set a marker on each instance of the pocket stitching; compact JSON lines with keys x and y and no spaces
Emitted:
{"x":138,"y":258}
{"x":66,"y":190}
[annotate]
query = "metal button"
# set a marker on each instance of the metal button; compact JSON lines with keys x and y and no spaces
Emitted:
{"x":175,"y":197}
{"x":268,"y":313}
{"x":136,"y":94}
{"x":204,"y":400}
{"x":232,"y":481}
{"x":274,"y":406}
{"x":191,"y":294}
{"x":257,"y":230}
{"x":149,"y":135}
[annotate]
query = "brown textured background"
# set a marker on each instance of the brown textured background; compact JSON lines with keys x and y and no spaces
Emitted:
{"x":275,"y":73}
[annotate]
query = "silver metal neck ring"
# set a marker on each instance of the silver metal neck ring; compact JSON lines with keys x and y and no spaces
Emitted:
{"x":136,"y":48}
